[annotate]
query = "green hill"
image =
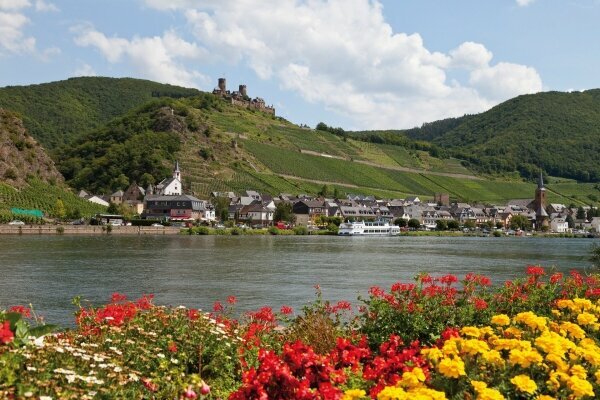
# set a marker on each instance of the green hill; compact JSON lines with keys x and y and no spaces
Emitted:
{"x":119,"y":131}
{"x":54,"y":113}
{"x":557,"y":132}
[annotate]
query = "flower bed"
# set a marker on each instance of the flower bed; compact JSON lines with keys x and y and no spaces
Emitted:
{"x":434,"y":338}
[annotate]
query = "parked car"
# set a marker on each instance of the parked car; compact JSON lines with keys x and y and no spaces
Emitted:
{"x":16,"y":222}
{"x":156,"y":224}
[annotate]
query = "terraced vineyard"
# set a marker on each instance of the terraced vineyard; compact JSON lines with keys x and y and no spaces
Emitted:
{"x":42,"y":196}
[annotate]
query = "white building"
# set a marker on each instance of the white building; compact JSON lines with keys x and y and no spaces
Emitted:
{"x":170,"y":186}
{"x":559,"y":225}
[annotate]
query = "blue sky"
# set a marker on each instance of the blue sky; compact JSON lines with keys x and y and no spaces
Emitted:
{"x":358,"y":64}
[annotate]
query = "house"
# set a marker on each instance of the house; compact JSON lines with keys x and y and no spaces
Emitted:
{"x":170,"y":186}
{"x":307,"y":211}
{"x":595,"y":224}
{"x":357,"y":212}
{"x":256,"y":214}
{"x":177,"y":208}
{"x":559,"y":225}
{"x":555,"y":208}
{"x":97,"y":200}
{"x":117,"y":197}
{"x":413,"y":199}
{"x":134,"y":197}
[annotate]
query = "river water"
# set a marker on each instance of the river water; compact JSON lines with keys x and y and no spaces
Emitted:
{"x":48,"y":271}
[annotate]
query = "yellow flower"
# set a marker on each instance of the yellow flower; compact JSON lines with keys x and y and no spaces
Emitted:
{"x":597,"y":376}
{"x":474,"y":346}
{"x":579,"y":371}
{"x":413,"y":378}
{"x":565,"y":303}
{"x":354,"y":394}
{"x":392,"y":393}
{"x":572,"y":329}
{"x":452,"y":368}
{"x":531,"y":320}
{"x":432,"y":354}
{"x":582,"y":304}
{"x":558,"y":361}
{"x":586,"y":319}
{"x":478,"y":385}
{"x":490,"y":394}
{"x":509,"y":344}
{"x":524,"y":358}
{"x":501,"y":320}
{"x":580,"y":387}
{"x":544,"y":397}
{"x":470,"y":331}
{"x":524,"y":384}
{"x":424,"y":393}
{"x":552,"y":342}
{"x":493,"y":357}
{"x":450,"y":348}
{"x":514,"y":332}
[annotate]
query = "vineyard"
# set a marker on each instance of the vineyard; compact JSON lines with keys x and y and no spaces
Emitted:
{"x":42,"y":196}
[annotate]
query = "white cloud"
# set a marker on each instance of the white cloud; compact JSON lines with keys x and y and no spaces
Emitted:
{"x":524,"y":3}
{"x":159,"y":58}
{"x":11,"y":33}
{"x":41,"y":5}
{"x":14,"y":4}
{"x":343,"y":54}
{"x":84,"y":70}
{"x":13,"y":21}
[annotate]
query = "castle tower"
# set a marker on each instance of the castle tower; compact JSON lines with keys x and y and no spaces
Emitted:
{"x":541,"y":216}
{"x":176,"y":172}
{"x":222,"y":85}
{"x":243,"y":91}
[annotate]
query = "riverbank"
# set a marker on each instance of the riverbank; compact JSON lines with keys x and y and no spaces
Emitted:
{"x":87,"y":230}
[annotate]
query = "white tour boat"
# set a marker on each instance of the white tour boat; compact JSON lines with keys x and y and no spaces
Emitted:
{"x":368,"y":228}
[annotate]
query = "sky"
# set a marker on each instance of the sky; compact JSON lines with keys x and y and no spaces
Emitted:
{"x":357,"y":64}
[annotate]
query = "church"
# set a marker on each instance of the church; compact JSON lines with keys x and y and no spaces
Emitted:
{"x":169,"y":186}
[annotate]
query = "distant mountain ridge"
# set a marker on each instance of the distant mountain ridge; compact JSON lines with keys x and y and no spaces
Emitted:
{"x":555,"y":131}
{"x":56,"y":112}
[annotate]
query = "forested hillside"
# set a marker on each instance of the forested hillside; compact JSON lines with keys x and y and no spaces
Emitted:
{"x":557,"y":132}
{"x":56,"y":112}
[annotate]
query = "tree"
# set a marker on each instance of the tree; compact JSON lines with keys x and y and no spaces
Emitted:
{"x":520,"y":222}
{"x":499,"y":225}
{"x":569,"y":220}
{"x":324,"y":191}
{"x":441,"y":225}
{"x":112,"y":208}
{"x":414,"y":223}
{"x":283,"y":212}
{"x":336,"y":193}
{"x":580,"y":213}
{"x":59,"y":209}
{"x":470,"y":224}
{"x":401,"y":222}
{"x":453,"y":225}
{"x":221,"y":208}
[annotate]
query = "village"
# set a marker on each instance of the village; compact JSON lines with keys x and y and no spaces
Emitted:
{"x":166,"y":203}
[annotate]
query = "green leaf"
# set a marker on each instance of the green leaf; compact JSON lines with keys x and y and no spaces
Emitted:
{"x":13,"y":318}
{"x":42,"y":330}
{"x":21,"y":331}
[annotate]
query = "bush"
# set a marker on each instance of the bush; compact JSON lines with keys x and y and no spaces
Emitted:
{"x":202,"y":230}
{"x":497,"y":233}
{"x":300,"y":230}
{"x":273,"y":230}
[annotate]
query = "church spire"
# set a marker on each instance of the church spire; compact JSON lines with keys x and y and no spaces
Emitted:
{"x":176,"y":172}
{"x":541,"y":181}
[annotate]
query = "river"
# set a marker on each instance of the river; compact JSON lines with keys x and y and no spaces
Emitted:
{"x":48,"y":271}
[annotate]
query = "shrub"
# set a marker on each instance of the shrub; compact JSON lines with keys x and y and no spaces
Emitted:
{"x":273,"y":230}
{"x":300,"y":230}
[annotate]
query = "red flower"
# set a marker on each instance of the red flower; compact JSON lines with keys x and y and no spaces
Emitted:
{"x":231,"y":300}
{"x":153,"y":387}
{"x":218,"y":307}
{"x":193,"y":314}
{"x":172,"y":347}
{"x":117,"y":297}
{"x":376,"y":291}
{"x":535,"y":270}
{"x":286,"y":310}
{"x":448,"y":279}
{"x":24,"y":311}
{"x":480,"y":304}
{"x":556,"y":277}
{"x":6,"y":335}
{"x":145,"y":302}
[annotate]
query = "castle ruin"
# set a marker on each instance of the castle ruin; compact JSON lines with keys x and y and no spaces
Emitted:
{"x":240,"y":98}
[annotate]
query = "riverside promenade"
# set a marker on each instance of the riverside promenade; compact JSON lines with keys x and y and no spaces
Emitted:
{"x":87,"y":230}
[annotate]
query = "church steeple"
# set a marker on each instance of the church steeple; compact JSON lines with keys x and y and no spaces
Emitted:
{"x":541,"y":181}
{"x":176,"y":172}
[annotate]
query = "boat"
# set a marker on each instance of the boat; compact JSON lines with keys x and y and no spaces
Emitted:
{"x":368,"y":228}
